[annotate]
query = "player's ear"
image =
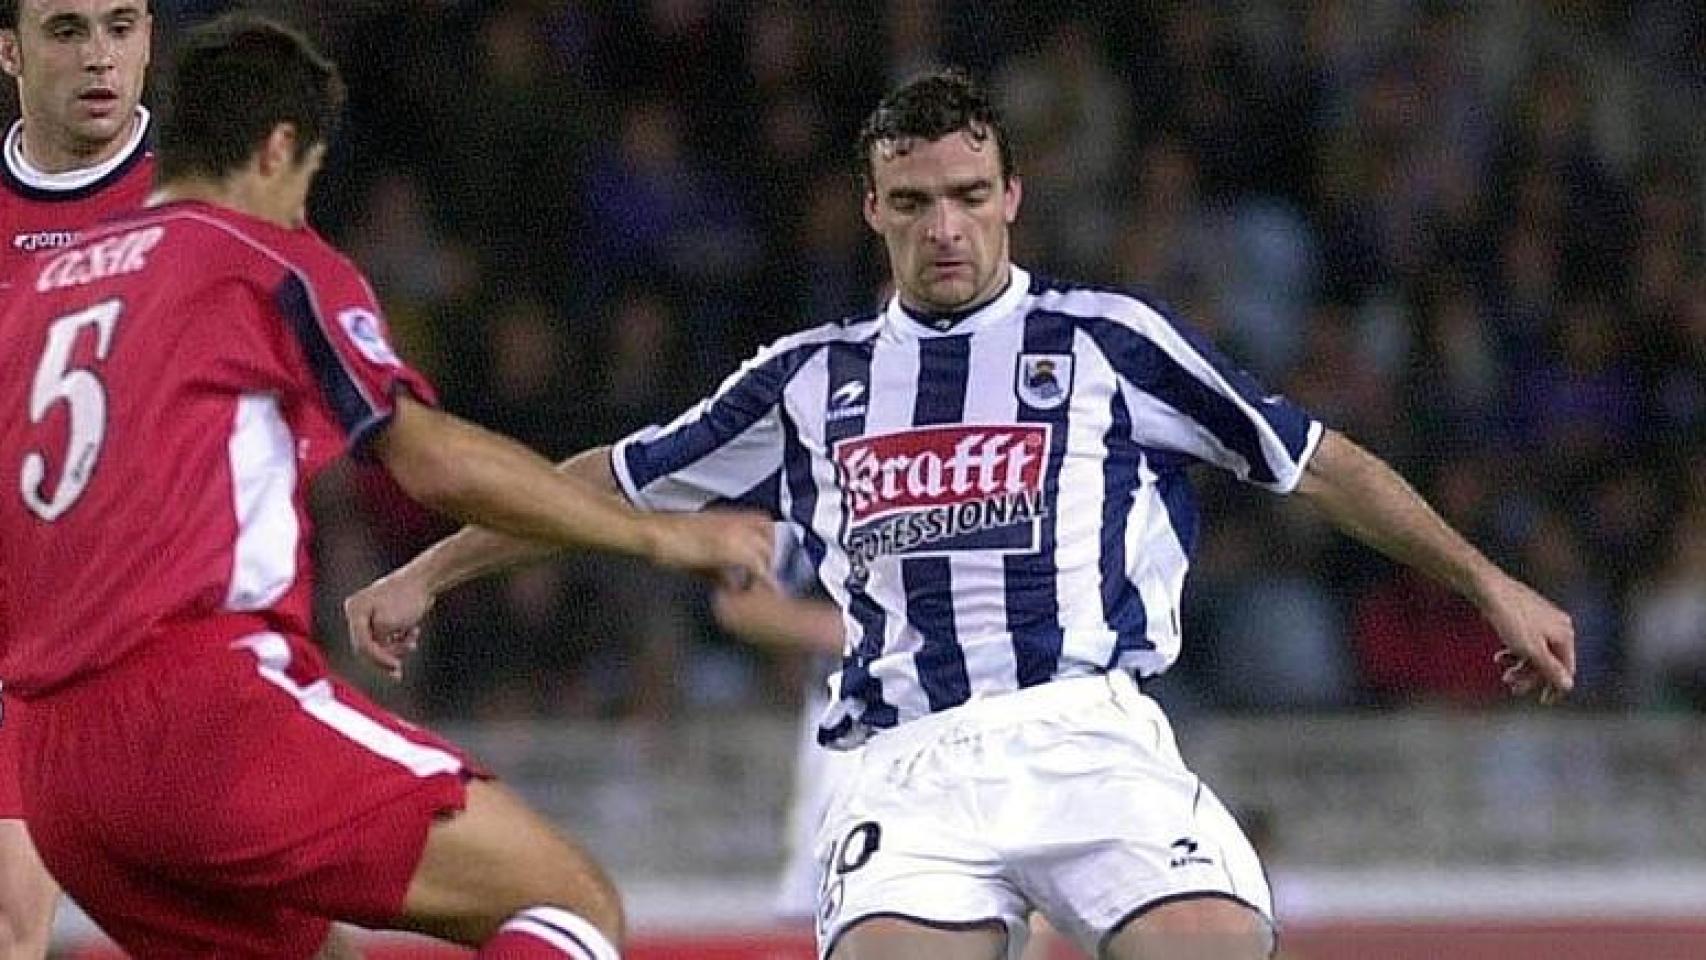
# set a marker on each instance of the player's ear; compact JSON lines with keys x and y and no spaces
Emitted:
{"x":1011,"y":194}
{"x":278,"y":150}
{"x":9,"y":53}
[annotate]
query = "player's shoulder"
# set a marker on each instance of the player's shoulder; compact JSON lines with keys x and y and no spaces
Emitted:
{"x":232,"y":236}
{"x":1127,"y":305}
{"x":853,"y":328}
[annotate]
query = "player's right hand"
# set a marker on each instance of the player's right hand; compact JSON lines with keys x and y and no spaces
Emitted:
{"x":729,"y":546}
{"x":385,"y":620}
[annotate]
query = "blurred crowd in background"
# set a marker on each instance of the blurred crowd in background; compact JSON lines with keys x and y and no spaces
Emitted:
{"x":1467,"y":234}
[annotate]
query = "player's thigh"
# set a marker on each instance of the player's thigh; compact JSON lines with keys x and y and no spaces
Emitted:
{"x":27,"y":895}
{"x":1193,"y":928}
{"x":892,"y":938}
{"x":496,"y":858}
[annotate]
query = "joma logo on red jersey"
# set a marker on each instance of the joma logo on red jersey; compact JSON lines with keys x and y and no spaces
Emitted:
{"x":937,"y":466}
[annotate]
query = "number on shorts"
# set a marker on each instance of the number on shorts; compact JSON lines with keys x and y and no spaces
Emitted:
{"x":85,"y":397}
{"x":855,"y":849}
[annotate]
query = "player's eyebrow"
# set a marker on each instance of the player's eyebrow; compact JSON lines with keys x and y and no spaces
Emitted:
{"x":959,"y":189}
{"x":65,"y":19}
{"x":965,"y":187}
{"x":909,"y":193}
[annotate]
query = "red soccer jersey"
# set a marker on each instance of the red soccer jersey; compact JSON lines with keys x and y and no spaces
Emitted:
{"x":174,"y":380}
{"x":42,"y":212}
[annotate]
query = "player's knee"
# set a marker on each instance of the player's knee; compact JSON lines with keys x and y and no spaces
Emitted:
{"x":598,"y":902}
{"x":1196,"y":928}
{"x":497,"y":859}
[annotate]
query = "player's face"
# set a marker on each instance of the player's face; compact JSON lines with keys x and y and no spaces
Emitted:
{"x":943,"y":209}
{"x":79,"y":66}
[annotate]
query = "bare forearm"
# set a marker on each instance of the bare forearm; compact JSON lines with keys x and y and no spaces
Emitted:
{"x":475,"y":551}
{"x":1369,"y":500}
{"x":772,"y":619}
{"x":523,"y":509}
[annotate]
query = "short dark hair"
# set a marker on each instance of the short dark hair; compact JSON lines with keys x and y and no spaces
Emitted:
{"x":929,"y":108}
{"x":233,"y":81}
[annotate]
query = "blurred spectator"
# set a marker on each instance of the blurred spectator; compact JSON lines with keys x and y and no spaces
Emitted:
{"x":1419,"y":642}
{"x":422,"y":273}
{"x":1069,"y":111}
{"x":1667,"y":623}
{"x":1555,"y":562}
{"x":1275,"y":639}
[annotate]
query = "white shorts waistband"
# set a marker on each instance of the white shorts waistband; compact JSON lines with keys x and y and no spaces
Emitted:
{"x":984,"y":713}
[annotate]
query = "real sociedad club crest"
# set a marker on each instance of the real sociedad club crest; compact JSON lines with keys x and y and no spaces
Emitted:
{"x":1044,"y":380}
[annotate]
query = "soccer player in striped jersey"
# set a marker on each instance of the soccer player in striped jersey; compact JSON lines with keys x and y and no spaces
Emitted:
{"x":78,"y":154}
{"x":990,"y":473}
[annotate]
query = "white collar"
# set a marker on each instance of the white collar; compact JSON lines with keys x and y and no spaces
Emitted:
{"x":27,"y":174}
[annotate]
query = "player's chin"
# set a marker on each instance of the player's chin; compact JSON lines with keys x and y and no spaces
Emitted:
{"x":99,"y":129}
{"x":949,"y":295}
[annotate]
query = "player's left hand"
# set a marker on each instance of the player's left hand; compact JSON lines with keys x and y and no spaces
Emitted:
{"x":385,"y":620}
{"x":1540,"y":641}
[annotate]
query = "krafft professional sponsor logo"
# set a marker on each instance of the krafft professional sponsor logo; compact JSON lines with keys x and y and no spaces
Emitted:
{"x":936,"y":489}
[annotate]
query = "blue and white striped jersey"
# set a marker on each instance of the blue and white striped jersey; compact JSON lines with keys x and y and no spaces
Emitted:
{"x":993,"y":505}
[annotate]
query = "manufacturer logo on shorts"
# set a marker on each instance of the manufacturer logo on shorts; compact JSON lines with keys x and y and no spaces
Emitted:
{"x":1185,"y":854}
{"x":934,"y":490}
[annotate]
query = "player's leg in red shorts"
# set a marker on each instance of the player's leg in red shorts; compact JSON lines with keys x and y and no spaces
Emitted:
{"x":27,"y":893}
{"x":222,"y":796}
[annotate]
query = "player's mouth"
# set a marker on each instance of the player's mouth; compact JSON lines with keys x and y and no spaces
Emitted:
{"x":947,"y":268}
{"x":99,"y":101}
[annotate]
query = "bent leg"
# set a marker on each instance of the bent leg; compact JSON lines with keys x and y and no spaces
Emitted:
{"x":1192,"y":928}
{"x":891,"y":938}
{"x":28,"y":896}
{"x":495,"y":859}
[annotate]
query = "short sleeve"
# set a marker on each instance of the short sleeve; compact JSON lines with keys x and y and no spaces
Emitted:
{"x":723,"y":449}
{"x":1183,"y":395}
{"x":332,"y":313}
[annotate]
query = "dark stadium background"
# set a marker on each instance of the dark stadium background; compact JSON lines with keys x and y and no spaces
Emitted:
{"x":1468,"y":234}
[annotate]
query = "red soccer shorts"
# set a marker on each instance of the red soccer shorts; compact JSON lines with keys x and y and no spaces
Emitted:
{"x":219,"y":794}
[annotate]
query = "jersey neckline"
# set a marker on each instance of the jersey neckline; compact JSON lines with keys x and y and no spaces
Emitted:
{"x":24,"y":180}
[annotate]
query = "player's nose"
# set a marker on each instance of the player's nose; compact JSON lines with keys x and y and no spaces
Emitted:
{"x":943,"y":227}
{"x":100,"y":53}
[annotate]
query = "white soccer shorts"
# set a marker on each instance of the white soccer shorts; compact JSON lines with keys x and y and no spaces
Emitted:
{"x":1069,"y":798}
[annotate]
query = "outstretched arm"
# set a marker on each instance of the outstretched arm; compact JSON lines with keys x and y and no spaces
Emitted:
{"x":1368,"y":500}
{"x":524,"y":510}
{"x":761,"y":614}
